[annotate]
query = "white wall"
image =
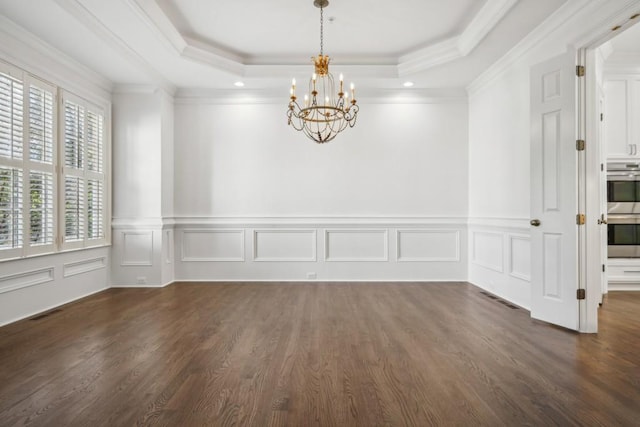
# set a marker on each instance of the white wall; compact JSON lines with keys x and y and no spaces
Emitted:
{"x":255,"y":199}
{"x":243,"y":160}
{"x":32,"y":285}
{"x":143,"y":187}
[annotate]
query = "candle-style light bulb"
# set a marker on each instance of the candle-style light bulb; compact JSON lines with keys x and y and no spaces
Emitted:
{"x":313,"y":78}
{"x":306,"y":100}
{"x":341,"y":82}
{"x":326,"y":100}
{"x":353,"y":91}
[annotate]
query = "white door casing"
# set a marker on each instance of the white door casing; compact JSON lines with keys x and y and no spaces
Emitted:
{"x":554,"y":190}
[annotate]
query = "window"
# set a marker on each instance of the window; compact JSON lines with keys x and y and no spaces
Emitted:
{"x":83,"y":173}
{"x":52,"y":190}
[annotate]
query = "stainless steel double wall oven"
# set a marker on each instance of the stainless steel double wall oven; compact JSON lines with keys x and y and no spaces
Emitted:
{"x":623,"y":209}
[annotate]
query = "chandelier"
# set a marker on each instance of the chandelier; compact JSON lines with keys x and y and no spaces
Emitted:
{"x":326,"y":113}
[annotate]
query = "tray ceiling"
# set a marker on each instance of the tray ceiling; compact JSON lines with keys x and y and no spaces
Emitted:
{"x":211,"y":44}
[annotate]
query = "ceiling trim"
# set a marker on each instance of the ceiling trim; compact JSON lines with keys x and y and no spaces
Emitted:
{"x":486,"y":19}
{"x":456,"y":47}
{"x":419,"y":60}
{"x":273,"y":96}
{"x":581,"y":35}
{"x":76,"y":76}
{"x":155,"y":19}
{"x":76,"y":9}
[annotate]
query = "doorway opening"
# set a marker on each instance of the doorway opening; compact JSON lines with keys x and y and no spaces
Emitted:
{"x":610,"y":103}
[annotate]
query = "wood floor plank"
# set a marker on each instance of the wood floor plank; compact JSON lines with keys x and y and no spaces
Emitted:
{"x":324,"y":354}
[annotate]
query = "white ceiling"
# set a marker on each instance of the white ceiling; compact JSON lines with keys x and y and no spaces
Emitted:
{"x":212,"y":44}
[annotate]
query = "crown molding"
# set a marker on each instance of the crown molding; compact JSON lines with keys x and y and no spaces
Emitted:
{"x":485,"y":21}
{"x":213,"y":56}
{"x":155,"y":19}
{"x":142,"y":89}
{"x":287,"y":71}
{"x":420,"y":60}
{"x":274,"y":96}
{"x":429,"y":56}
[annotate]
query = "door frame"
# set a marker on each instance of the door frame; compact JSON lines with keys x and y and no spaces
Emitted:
{"x":590,"y":257}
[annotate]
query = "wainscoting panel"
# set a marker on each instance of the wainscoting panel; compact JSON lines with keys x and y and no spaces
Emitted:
{"x":494,"y":244}
{"x":84,"y":266}
{"x":350,"y":248}
{"x":137,"y":248}
{"x":488,"y":250}
{"x":284,"y":245}
{"x":212,"y":245}
{"x":356,"y":245}
{"x":143,"y":253}
{"x":13,"y":282}
{"x":520,"y":256}
{"x":428,"y":245}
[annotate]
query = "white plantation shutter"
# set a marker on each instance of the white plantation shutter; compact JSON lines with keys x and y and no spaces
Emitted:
{"x":11,"y":117}
{"x":95,"y":142}
{"x":41,"y":227}
{"x":73,"y":209}
{"x":11,"y":218}
{"x":40,"y":198}
{"x":11,"y":164}
{"x":84,"y":179}
{"x":73,"y":135}
{"x":41,"y":124}
{"x":95,"y":206}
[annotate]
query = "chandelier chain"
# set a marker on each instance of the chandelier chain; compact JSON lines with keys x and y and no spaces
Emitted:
{"x":321,"y":30}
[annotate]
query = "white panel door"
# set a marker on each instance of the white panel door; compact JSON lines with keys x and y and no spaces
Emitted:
{"x":554,"y":204}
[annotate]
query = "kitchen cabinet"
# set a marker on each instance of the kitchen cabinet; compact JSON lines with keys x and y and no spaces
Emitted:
{"x":621,"y":124}
{"x":623,"y":274}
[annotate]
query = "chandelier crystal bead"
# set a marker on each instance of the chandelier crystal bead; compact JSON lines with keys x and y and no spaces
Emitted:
{"x":325,"y":112}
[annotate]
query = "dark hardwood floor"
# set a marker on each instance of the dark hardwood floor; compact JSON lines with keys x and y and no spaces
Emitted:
{"x":317,"y":354}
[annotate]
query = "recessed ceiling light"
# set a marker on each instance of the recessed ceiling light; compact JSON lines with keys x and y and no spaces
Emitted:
{"x":407,"y":84}
{"x":238,"y":84}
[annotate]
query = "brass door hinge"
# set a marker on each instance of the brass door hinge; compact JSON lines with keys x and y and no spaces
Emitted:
{"x":581,"y":294}
{"x":580,"y":144}
{"x":580,"y":70}
{"x":580,"y":219}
